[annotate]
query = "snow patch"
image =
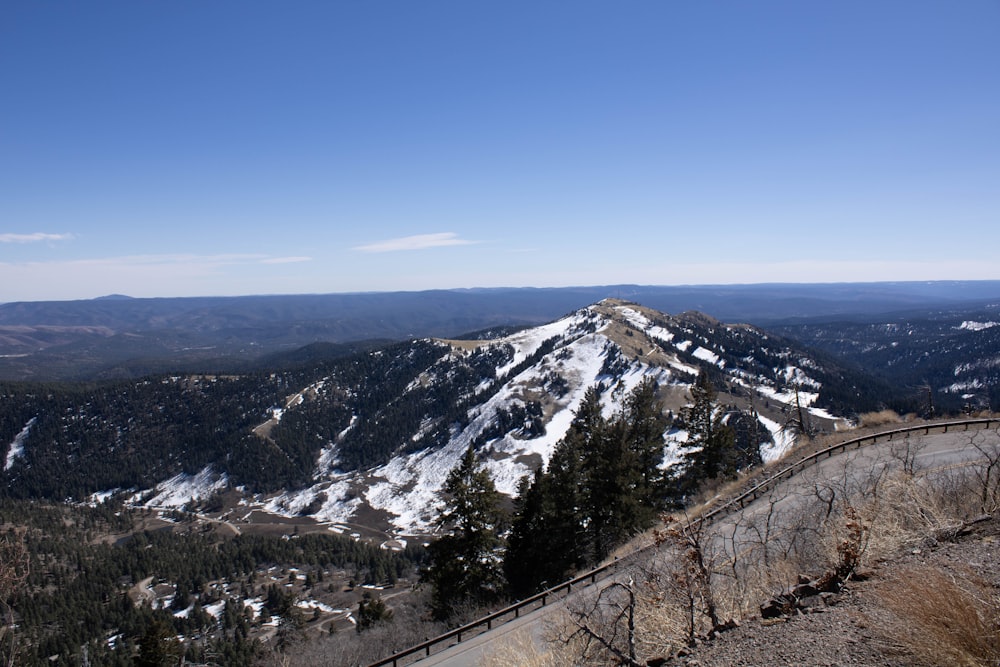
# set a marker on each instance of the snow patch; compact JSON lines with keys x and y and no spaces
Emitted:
{"x":706,"y":355}
{"x":310,"y":605}
{"x":182,"y":489}
{"x":788,"y":396}
{"x":784,"y":440}
{"x":633,"y":317}
{"x":796,"y":376}
{"x":660,"y":334}
{"x":16,"y":448}
{"x":527,"y":342}
{"x":968,"y":385}
{"x":338,"y":505}
{"x":215,"y":609}
{"x":970,"y":325}
{"x":101,"y":497}
{"x":675,"y":449}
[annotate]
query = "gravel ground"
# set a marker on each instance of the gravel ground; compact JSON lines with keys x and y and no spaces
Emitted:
{"x":855,"y":630}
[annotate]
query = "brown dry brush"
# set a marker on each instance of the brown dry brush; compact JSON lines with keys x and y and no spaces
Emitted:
{"x":944,"y":619}
{"x":519,"y":648}
{"x":692,"y":577}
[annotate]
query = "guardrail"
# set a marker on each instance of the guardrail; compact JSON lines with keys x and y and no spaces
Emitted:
{"x":514,"y":611}
{"x":756,"y":491}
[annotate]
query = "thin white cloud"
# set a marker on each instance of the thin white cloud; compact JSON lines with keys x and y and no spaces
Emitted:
{"x":37,"y":237}
{"x":418,"y":242}
{"x":161,"y":260}
{"x":180,"y":274}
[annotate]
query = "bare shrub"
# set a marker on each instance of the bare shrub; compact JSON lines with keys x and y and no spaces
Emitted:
{"x":603,"y":626}
{"x":642,"y":618}
{"x":987,"y":473}
{"x":906,"y":451}
{"x":945,"y":620}
{"x":407,"y":628}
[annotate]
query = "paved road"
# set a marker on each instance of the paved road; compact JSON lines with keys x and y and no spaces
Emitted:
{"x":847,"y":474}
{"x":842,"y":474}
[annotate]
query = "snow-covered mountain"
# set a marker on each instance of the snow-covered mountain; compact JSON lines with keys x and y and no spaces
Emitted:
{"x":513,"y":398}
{"x":368,"y":439}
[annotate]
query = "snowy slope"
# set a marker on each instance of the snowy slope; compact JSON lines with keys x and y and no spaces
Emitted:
{"x":545,"y":371}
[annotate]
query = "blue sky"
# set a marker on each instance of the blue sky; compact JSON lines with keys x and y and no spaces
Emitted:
{"x":221,"y":148}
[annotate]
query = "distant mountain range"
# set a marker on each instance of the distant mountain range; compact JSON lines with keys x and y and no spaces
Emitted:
{"x":118,"y":336}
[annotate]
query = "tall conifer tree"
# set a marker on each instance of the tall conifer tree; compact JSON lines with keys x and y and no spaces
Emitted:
{"x":711,"y":443}
{"x":466,"y":564}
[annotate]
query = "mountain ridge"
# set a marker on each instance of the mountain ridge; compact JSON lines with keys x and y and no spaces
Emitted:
{"x":98,"y":338}
{"x":376,"y":433}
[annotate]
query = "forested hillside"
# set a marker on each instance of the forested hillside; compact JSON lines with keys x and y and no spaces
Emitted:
{"x":330,"y":428}
{"x":946,"y":360}
{"x":86,"y":598}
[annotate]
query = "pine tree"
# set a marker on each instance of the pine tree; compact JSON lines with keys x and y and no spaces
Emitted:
{"x":527,"y":565}
{"x":603,"y":485}
{"x":566,"y":528}
{"x":645,"y":426}
{"x":371,"y":611}
{"x":466,"y":569}
{"x":611,"y":475}
{"x":158,"y":646}
{"x":711,"y":442}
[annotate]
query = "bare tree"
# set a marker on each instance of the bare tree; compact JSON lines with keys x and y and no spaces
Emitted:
{"x":906,"y":453}
{"x":693,"y":577}
{"x":987,"y":474}
{"x":599,"y":624}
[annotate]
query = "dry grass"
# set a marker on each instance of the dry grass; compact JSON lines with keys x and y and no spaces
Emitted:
{"x":520,"y":649}
{"x":881,"y":418}
{"x":945,"y":620}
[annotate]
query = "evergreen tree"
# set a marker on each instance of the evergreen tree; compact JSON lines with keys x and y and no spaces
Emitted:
{"x":603,"y":485}
{"x":466,"y":568}
{"x":711,"y":442}
{"x":159,"y":646}
{"x":645,"y":425}
{"x":625,"y":486}
{"x":371,"y":611}
{"x":566,"y":528}
{"x":528,"y":545}
{"x":610,"y":470}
